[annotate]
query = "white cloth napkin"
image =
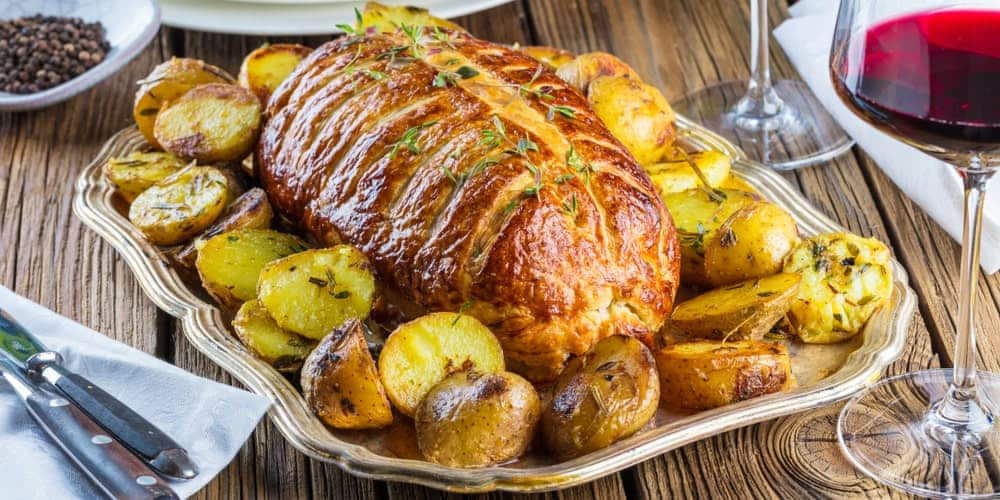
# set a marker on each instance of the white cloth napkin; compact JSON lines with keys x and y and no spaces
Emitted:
{"x":211,"y":420}
{"x":930,"y":183}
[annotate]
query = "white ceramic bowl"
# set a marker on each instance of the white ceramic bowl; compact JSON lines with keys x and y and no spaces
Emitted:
{"x":129,"y":25}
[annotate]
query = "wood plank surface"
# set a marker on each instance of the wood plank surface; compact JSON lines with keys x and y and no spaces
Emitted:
{"x":680,"y":46}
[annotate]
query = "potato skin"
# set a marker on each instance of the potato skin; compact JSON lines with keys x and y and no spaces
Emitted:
{"x":266,"y":67}
{"x":636,"y":114}
{"x":745,"y":310}
{"x":166,"y":83}
{"x":388,"y":19}
{"x":585,"y":68}
{"x":419,"y":354}
{"x":340,"y":383}
{"x":677,"y":175}
{"x":707,"y":374}
{"x":136,"y":172}
{"x":210,"y":123}
{"x":602,"y":397}
{"x":179,"y":207}
{"x":752,"y":243}
{"x":845,"y":279}
{"x":473,"y":419}
{"x":550,"y":56}
{"x":250,"y":211}
{"x":278,"y":347}
{"x":229,"y":263}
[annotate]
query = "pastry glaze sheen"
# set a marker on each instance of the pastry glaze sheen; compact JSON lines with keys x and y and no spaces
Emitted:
{"x":588,"y":256}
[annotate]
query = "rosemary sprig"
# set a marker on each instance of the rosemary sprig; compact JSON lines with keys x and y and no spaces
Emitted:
{"x":409,"y":139}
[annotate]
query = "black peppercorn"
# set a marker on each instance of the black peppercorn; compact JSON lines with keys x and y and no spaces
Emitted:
{"x":40,"y":52}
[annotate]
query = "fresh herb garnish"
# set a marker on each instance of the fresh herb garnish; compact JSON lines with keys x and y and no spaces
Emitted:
{"x":409,"y":139}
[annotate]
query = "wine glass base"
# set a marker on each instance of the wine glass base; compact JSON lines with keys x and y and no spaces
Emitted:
{"x":801,"y":134}
{"x":886,"y":432}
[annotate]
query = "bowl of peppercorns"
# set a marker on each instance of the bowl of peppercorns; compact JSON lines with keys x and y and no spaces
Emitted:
{"x":51,"y":50}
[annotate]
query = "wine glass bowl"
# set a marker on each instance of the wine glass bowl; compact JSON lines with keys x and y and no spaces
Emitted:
{"x":927,"y":73}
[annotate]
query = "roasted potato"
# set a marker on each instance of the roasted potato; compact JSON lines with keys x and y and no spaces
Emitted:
{"x":551,"y":57}
{"x":677,"y":175}
{"x":167,"y":82}
{"x":267,"y":66}
{"x":135,"y":173}
{"x":230,"y":263}
{"x":734,"y":182}
{"x":340,"y":383}
{"x":422,"y":352}
{"x":745,"y":310}
{"x":697,"y":215}
{"x":585,"y":68}
{"x":636,"y":114}
{"x":473,"y":419}
{"x":313,"y":292}
{"x":210,"y":123}
{"x":845,"y":279}
{"x":278,"y":347}
{"x":708,"y":374}
{"x":250,"y":211}
{"x":752,"y":243}
{"x":603,"y":396}
{"x":179,"y":207}
{"x":387,"y":19}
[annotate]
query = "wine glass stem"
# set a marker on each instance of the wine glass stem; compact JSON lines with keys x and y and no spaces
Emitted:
{"x":761,"y":101}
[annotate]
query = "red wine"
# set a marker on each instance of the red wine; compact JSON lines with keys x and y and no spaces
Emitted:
{"x":931,"y":77}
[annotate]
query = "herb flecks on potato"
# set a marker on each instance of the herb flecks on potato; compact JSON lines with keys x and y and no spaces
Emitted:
{"x":751,"y":243}
{"x":340,"y":383}
{"x":230,"y":263}
{"x":845,"y":279}
{"x":135,"y":173}
{"x":602,"y":397}
{"x":276,"y":346}
{"x":678,"y":175}
{"x":210,"y":123}
{"x":313,"y":292}
{"x":707,"y":374}
{"x":745,"y":310}
{"x":422,"y":352}
{"x":250,"y":211}
{"x":179,"y":207}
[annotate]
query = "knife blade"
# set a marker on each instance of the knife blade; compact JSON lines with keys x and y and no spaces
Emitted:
{"x":111,"y":466}
{"x":23,"y":351}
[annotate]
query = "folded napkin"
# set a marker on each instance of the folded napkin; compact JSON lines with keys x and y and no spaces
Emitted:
{"x":211,"y":420}
{"x":930,"y":183}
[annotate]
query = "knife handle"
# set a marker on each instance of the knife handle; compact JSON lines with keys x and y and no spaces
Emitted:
{"x":109,"y":464}
{"x":134,"y":431}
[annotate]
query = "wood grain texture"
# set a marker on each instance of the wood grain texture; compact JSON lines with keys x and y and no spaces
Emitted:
{"x":679,"y":45}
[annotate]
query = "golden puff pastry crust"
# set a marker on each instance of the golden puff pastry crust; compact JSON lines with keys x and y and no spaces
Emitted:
{"x":473,"y":177}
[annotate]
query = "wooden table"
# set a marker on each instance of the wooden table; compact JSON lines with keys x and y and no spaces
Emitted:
{"x":681,"y":45}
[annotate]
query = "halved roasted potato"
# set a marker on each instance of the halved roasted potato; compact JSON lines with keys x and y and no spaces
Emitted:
{"x":214,"y":122}
{"x":585,"y":68}
{"x":636,"y":114}
{"x":267,"y":66}
{"x":313,"y":292}
{"x":708,"y":374}
{"x":745,"y":310}
{"x":179,"y":207}
{"x":752,"y":243}
{"x":737,"y":183}
{"x":845,"y":279}
{"x":387,"y":19}
{"x":473,"y":419}
{"x":135,"y":173}
{"x":250,"y":211}
{"x":340,"y":383}
{"x":167,"y":82}
{"x":549,"y":56}
{"x":678,"y":175}
{"x":230,"y":263}
{"x":602,"y":397}
{"x":697,"y":214}
{"x":421,"y":353}
{"x":278,"y":347}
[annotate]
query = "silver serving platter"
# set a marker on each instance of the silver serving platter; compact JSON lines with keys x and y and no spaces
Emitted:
{"x":824,"y":374}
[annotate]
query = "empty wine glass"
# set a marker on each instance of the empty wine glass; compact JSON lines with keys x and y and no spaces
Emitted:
{"x":780,"y":124}
{"x":928,"y":73}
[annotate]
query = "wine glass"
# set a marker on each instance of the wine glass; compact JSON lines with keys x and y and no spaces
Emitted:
{"x":780,"y":124}
{"x":928,"y":73}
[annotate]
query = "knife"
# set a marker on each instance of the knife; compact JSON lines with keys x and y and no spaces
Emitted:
{"x":23,"y":351}
{"x":111,"y":466}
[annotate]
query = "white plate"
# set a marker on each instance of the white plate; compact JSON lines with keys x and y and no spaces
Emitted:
{"x":288,"y":19}
{"x":129,"y":26}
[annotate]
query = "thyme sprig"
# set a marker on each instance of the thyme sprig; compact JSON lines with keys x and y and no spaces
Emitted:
{"x":409,"y":139}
